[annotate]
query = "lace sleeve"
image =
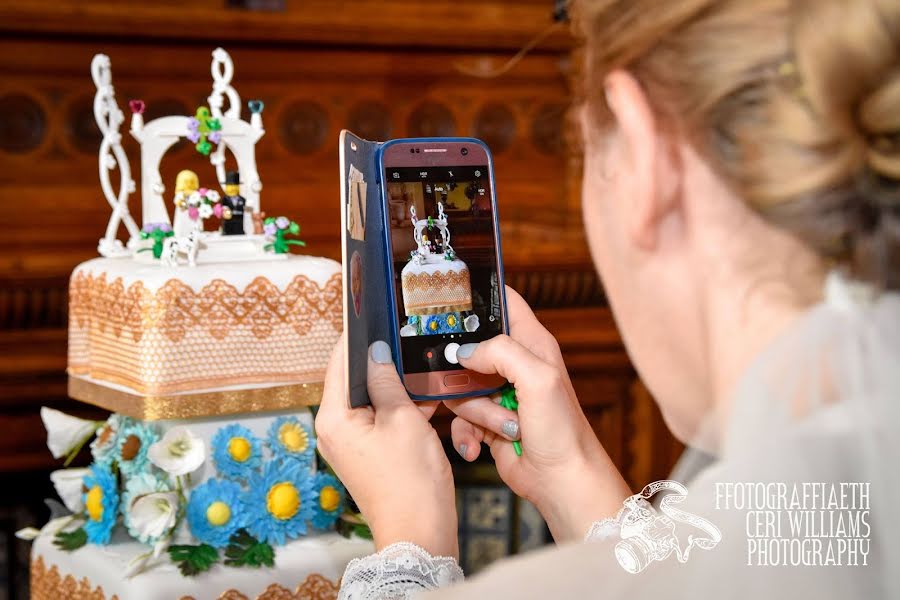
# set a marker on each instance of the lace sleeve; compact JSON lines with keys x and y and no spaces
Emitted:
{"x":612,"y":528}
{"x":397,"y":573}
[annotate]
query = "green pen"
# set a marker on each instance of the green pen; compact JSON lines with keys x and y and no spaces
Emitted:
{"x":508,"y":401}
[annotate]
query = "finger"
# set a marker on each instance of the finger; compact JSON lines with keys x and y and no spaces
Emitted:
{"x":386,"y":391}
{"x":525,"y":328}
{"x":504,"y":454}
{"x":334,"y":408}
{"x":466,"y":438}
{"x":506,"y":357}
{"x":488,"y":414}
{"x":427,"y":408}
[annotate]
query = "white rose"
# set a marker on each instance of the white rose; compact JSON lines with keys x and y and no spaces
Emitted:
{"x":179,"y":452}
{"x":65,"y":433}
{"x":154,"y":515}
{"x":206,"y":211}
{"x":68,"y":484}
{"x":212,"y":196}
{"x":194,"y":199}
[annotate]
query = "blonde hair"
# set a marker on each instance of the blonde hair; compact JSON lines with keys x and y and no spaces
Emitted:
{"x":795,"y":103}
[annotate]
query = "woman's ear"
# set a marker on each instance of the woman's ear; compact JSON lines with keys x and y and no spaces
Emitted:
{"x":651,"y":171}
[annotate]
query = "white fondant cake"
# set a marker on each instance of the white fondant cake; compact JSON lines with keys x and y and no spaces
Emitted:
{"x":435,"y":280}
{"x":208,"y":347}
{"x":309,"y":568}
{"x":154,"y":330}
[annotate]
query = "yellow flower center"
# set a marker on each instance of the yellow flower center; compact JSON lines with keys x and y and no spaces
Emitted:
{"x":293,"y":437}
{"x":218,"y":513}
{"x":283,"y":500}
{"x":433,"y":325}
{"x":239,"y":449}
{"x":94,"y":503}
{"x":451,"y":320}
{"x":329,"y":499}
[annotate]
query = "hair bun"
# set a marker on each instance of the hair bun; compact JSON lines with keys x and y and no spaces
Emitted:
{"x":879,"y":118}
{"x":848,"y":58}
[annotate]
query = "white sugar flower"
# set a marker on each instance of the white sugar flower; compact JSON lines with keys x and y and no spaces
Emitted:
{"x":206,"y":211}
{"x":179,"y":452}
{"x":65,"y":433}
{"x":153,"y":515}
{"x":68,"y":484}
{"x":52,"y":527}
{"x":212,"y":196}
{"x":194,"y":199}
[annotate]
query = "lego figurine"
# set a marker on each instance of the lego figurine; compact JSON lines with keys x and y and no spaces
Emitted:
{"x":234,"y":205}
{"x":186,"y":183}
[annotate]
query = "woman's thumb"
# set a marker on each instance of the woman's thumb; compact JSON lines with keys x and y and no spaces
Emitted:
{"x":386,"y":391}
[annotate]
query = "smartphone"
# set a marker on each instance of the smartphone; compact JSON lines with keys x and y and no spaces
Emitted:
{"x":445,"y":275}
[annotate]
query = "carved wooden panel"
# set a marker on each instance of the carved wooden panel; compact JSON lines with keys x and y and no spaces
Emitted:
{"x":384,"y":69}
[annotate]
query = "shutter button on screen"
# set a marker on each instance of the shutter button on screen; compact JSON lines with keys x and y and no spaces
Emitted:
{"x":450,"y":353}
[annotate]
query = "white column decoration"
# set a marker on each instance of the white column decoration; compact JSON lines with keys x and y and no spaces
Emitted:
{"x":109,"y":118}
{"x":238,"y":138}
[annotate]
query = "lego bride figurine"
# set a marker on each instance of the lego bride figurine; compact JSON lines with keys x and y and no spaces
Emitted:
{"x":193,"y":204}
{"x":186,"y":183}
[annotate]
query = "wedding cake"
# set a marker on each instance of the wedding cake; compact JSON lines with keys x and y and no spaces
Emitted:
{"x":208,"y":347}
{"x":437,"y":291}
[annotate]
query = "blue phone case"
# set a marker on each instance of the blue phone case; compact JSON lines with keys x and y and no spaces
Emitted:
{"x":376,"y":320}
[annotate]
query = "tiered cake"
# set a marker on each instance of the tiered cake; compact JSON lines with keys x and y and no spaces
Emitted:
{"x":437,"y":291}
{"x":208,"y":347}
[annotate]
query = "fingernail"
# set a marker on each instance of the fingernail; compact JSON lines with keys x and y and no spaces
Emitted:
{"x":466,"y":350}
{"x":462,"y":450}
{"x":381,"y":353}
{"x":510,"y":429}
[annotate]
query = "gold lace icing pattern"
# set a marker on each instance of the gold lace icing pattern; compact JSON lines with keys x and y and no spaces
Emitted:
{"x":48,"y":584}
{"x":176,"y":340}
{"x":437,"y":292}
{"x":218,"y":307}
{"x":314,"y":587}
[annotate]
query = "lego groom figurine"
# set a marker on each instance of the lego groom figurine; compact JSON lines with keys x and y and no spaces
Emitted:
{"x":233,"y":204}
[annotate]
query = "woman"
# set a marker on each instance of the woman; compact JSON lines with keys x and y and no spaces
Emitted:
{"x":742,"y":201}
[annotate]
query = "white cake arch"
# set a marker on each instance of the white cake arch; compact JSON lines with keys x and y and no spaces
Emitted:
{"x":156,"y":138}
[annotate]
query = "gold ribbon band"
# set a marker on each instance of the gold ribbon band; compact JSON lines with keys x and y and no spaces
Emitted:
{"x":190,"y":406}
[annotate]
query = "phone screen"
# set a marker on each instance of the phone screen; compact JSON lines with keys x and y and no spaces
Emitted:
{"x":444,"y":256}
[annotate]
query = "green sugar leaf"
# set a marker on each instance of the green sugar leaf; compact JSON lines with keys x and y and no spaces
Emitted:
{"x":244,"y":550}
{"x":193,"y":560}
{"x":70,"y":540}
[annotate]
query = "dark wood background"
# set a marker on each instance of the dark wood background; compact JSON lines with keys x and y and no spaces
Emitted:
{"x":382,"y":68}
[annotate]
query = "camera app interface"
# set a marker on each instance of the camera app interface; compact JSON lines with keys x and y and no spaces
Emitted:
{"x":445,"y":262}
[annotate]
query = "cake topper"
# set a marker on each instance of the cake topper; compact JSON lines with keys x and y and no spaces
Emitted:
{"x":425,"y":232}
{"x":213,"y":129}
{"x":234,"y":204}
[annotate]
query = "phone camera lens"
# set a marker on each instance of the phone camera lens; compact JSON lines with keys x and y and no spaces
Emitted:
{"x":464,"y":151}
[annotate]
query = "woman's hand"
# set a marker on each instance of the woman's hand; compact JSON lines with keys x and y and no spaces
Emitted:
{"x":389,"y":457}
{"x":563,"y":470}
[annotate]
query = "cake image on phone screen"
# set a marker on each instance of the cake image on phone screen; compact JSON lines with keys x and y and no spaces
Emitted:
{"x":437,"y":291}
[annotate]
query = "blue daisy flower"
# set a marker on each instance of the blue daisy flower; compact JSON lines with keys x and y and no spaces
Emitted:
{"x":330,"y":500}
{"x":279,"y":502}
{"x":135,"y":440}
{"x":433,"y":324}
{"x":215,"y":511}
{"x":101,"y":503}
{"x":290,"y":439}
{"x":236,"y":451}
{"x":452,"y":323}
